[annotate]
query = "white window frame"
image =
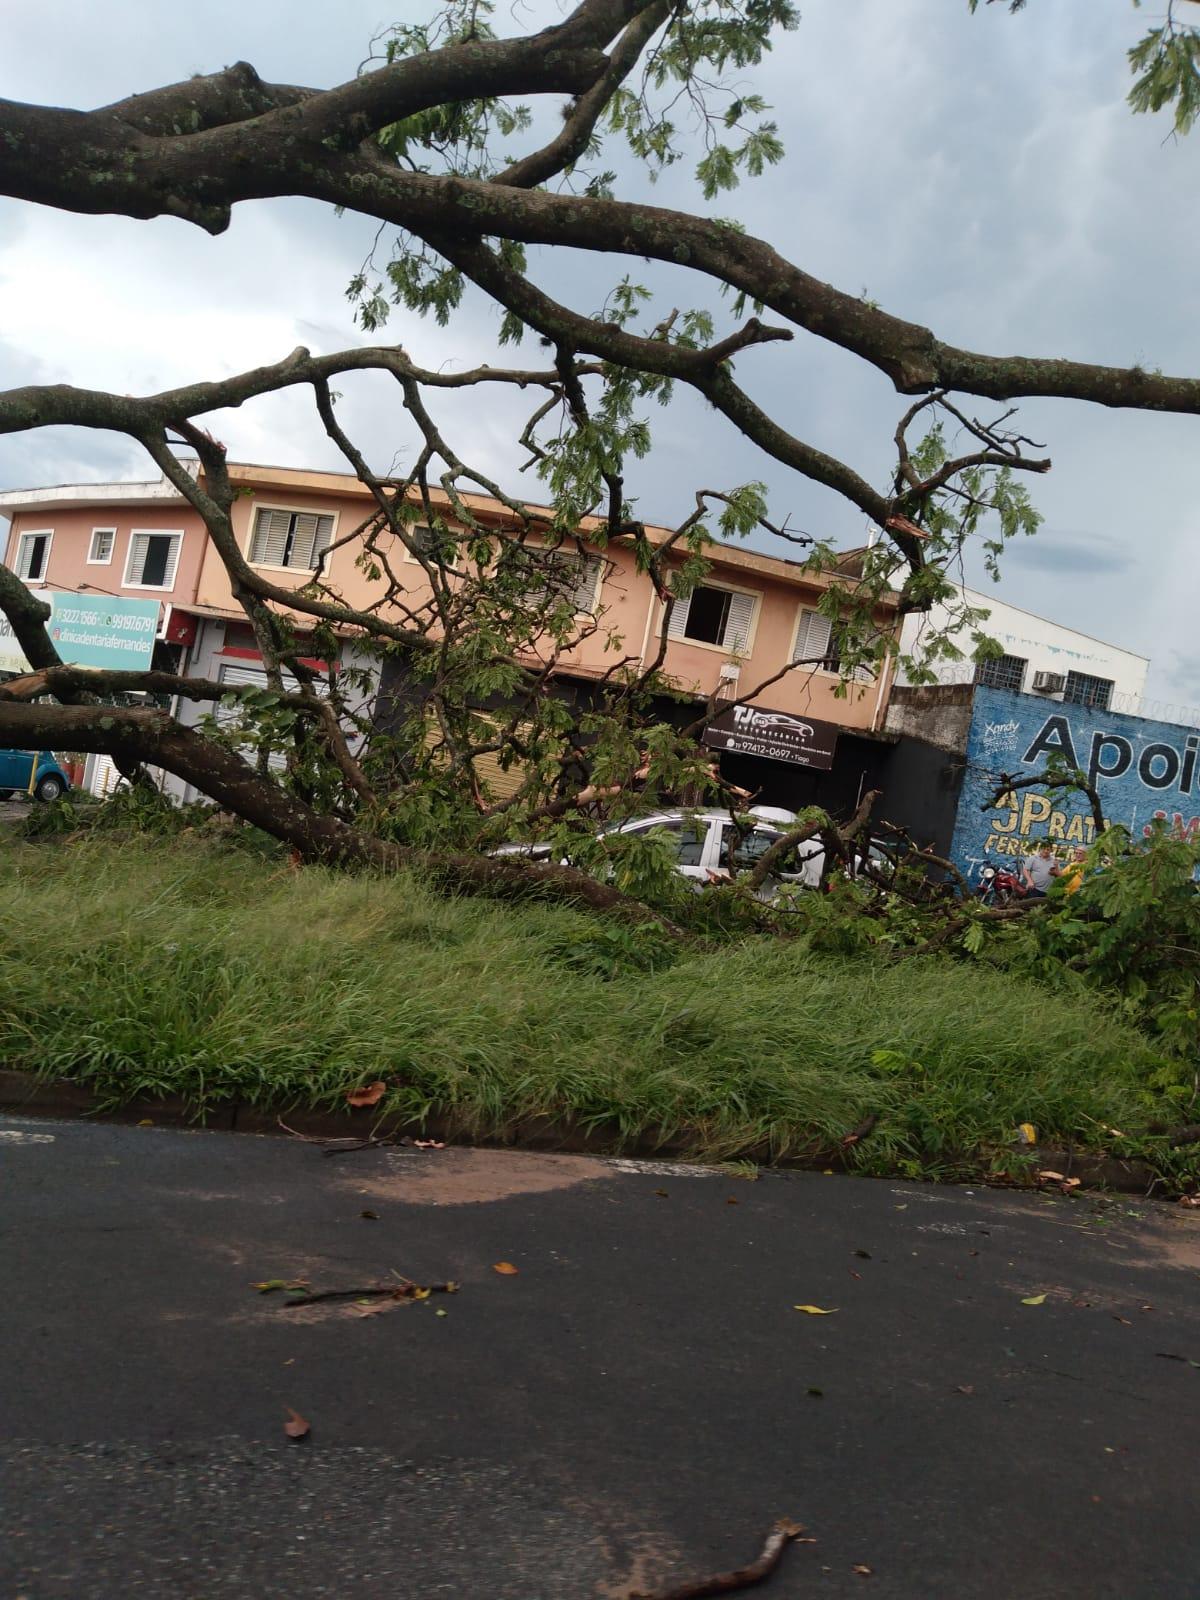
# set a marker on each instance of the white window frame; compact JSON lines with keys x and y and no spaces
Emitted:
{"x":756,"y":595}
{"x":105,"y":561}
{"x":292,"y":511}
{"x":862,"y":676}
{"x":593,"y":557}
{"x":803,"y":612}
{"x":572,"y":552}
{"x":33,"y":533}
{"x":412,"y":528}
{"x":162,"y":533}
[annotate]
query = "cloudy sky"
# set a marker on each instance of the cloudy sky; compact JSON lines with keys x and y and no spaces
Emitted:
{"x":980,"y":175}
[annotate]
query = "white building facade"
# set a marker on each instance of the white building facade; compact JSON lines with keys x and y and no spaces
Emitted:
{"x":1040,"y":657}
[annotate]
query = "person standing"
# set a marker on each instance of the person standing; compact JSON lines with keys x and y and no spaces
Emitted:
{"x":1072,"y":873}
{"x":1038,"y":869}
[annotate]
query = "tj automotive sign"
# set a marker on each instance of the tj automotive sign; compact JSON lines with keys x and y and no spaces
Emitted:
{"x":90,"y":631}
{"x":775,"y":735}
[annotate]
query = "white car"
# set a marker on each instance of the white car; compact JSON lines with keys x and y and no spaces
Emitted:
{"x":709,"y":848}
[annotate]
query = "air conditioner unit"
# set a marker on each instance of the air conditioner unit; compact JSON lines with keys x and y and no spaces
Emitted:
{"x":1048,"y":683}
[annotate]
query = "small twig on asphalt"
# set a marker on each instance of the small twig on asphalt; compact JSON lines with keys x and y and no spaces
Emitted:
{"x":745,"y":1577}
{"x":338,"y":1146}
{"x":403,"y":1289}
{"x":348,"y":1147}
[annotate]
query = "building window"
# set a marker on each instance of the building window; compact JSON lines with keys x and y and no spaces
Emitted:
{"x":100,"y":551}
{"x":1002,"y":672}
{"x":152,"y":560}
{"x":815,"y":643}
{"x":422,"y":542}
{"x":289,"y":538}
{"x":561,"y":576}
{"x":33,"y":556}
{"x":720,"y":617}
{"x":1084,"y":690}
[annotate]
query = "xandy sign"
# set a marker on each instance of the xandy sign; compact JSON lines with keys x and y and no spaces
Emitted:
{"x":1142,"y":770}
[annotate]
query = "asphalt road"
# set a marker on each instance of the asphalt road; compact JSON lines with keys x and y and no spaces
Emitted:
{"x":635,"y":1405}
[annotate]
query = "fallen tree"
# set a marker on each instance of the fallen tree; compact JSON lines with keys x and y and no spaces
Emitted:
{"x":427,"y":141}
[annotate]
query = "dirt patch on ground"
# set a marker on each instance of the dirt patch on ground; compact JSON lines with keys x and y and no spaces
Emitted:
{"x":457,"y":1177}
{"x":1168,"y":1239}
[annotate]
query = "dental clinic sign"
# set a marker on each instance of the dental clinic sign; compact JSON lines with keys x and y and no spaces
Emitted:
{"x":1142,"y":770}
{"x":90,"y":631}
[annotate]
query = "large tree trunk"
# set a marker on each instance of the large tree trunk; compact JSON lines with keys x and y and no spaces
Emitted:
{"x":153,"y":736}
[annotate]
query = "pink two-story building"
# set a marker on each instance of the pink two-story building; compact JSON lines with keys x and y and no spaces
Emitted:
{"x":752,"y":615}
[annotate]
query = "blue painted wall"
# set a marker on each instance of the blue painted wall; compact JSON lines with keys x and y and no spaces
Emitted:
{"x":1142,"y":770}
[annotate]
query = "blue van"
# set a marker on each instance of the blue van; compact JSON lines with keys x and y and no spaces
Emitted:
{"x":16,"y":767}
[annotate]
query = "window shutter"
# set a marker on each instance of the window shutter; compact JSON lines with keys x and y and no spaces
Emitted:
{"x":139,"y":549}
{"x":679,"y":616}
{"x":172,"y":562}
{"x":736,"y":635}
{"x":30,"y":562}
{"x":812,"y":638}
{"x":584,"y":597}
{"x":310,"y":535}
{"x":269,"y":541}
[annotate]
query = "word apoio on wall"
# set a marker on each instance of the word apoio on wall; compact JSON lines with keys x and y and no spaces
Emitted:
{"x":1159,"y":765}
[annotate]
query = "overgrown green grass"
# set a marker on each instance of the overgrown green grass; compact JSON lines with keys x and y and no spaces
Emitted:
{"x":181,"y":967}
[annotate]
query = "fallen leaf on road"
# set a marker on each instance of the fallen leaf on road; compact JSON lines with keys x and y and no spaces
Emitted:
{"x":269,"y":1285}
{"x":815,"y":1393}
{"x":429,"y":1144}
{"x":1034,"y":1300}
{"x":1124,"y":1321}
{"x":731,"y":1200}
{"x":661,"y":1193}
{"x":964,"y":1388}
{"x":440,"y":1313}
{"x":863,"y":1570}
{"x":1169,"y":1355}
{"x":369,"y":1095}
{"x":863,"y":1255}
{"x":369,"y":1216}
{"x":1052,"y":1177}
{"x":505,"y":1269}
{"x":816,"y":1311}
{"x":146,"y":1122}
{"x":296,"y":1426}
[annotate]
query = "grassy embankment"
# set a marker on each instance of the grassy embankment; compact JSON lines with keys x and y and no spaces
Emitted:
{"x":179,"y":967}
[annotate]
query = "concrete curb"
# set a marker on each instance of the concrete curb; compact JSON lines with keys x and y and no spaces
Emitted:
{"x":22,"y":1092}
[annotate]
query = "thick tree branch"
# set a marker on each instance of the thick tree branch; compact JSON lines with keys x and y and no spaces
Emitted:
{"x":573,"y":138}
{"x":101,"y":162}
{"x":152,"y":736}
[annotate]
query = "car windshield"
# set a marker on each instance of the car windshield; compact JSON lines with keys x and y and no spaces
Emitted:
{"x":741,"y":850}
{"x":689,"y":837}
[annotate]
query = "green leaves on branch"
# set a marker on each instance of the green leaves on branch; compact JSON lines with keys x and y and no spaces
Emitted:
{"x":1167,"y":68}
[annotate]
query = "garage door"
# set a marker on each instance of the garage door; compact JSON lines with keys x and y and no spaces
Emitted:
{"x":256,"y":678}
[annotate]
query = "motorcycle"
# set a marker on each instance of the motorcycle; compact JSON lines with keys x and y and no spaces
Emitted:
{"x":999,"y":886}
